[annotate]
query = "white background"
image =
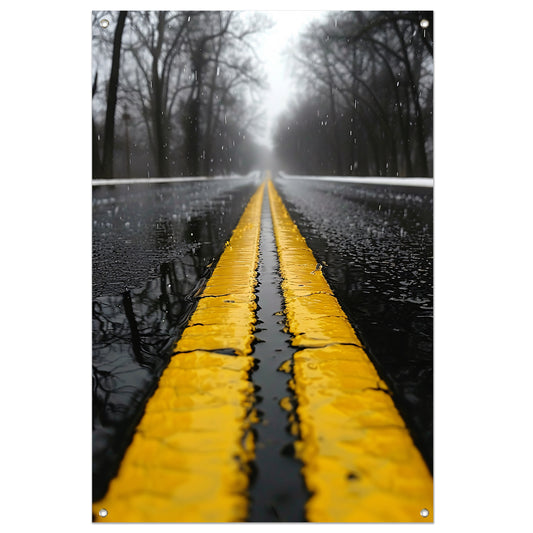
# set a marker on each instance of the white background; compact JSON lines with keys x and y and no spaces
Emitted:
{"x":483,"y":346}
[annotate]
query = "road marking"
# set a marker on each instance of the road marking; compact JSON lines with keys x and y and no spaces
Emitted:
{"x":133,"y":181}
{"x":400,"y":182}
{"x":277,"y":492}
{"x":360,"y":463}
{"x":188,"y":458}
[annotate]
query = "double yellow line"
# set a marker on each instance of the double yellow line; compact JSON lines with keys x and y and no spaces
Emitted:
{"x":188,"y":461}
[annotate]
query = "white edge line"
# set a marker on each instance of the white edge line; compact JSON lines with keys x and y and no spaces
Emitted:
{"x":132,"y":181}
{"x":408,"y":182}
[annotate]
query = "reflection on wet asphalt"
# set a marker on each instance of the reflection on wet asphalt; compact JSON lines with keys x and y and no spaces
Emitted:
{"x":153,"y":247}
{"x":277,"y":491}
{"x":377,"y":243}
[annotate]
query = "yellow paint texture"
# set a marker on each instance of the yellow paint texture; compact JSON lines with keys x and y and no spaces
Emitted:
{"x":360,"y":463}
{"x":188,"y":458}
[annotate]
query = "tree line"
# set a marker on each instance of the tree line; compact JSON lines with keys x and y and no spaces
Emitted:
{"x":365,"y":105}
{"x":175,"y":92}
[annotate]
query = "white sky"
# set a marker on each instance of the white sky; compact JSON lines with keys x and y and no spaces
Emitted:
{"x":273,"y":43}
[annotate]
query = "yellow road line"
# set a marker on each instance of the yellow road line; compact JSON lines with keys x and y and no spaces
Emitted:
{"x":360,"y":463}
{"x":187,"y":461}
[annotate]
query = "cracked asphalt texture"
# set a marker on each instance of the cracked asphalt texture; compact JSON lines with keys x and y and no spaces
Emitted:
{"x":153,"y":247}
{"x":377,"y":245}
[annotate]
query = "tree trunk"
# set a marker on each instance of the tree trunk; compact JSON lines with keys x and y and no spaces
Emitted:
{"x":158,"y":105}
{"x":209,"y":129}
{"x":420,"y":134}
{"x":109,"y":130}
{"x":97,"y":163}
{"x":192,"y":126}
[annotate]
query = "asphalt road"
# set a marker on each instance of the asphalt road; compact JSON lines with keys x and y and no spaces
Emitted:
{"x":153,"y":248}
{"x":377,"y":243}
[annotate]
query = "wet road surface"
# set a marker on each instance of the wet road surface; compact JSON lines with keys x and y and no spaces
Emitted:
{"x":377,"y":245}
{"x":153,"y":248}
{"x":280,"y":497}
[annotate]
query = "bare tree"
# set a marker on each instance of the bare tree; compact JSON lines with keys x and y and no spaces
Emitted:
{"x":155,"y":46}
{"x":375,"y":71}
{"x":221,"y":60}
{"x":109,"y":129}
{"x":185,"y":78}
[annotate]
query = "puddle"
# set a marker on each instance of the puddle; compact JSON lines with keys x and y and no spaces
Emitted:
{"x":150,"y":258}
{"x":377,"y":246}
{"x":277,"y":490}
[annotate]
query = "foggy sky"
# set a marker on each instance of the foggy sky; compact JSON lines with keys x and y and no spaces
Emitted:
{"x":272,"y":50}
